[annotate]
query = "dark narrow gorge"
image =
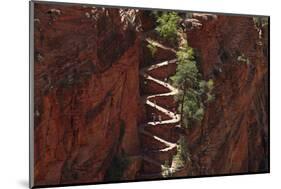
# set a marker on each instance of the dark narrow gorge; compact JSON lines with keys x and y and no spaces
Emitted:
{"x":106,"y":106}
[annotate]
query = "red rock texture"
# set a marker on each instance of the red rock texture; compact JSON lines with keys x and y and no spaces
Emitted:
{"x":233,"y":137}
{"x":86,"y":87}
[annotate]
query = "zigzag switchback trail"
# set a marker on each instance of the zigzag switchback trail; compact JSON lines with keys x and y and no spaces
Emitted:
{"x":159,"y":141}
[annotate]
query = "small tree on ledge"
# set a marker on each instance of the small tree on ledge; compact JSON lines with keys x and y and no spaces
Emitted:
{"x":168,"y":25}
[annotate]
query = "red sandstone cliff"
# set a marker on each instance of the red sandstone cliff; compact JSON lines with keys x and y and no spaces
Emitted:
{"x":87,"y":98}
{"x":233,"y":137}
{"x":86,"y":91}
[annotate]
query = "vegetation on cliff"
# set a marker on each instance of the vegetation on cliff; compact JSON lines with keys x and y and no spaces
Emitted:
{"x":187,"y":81}
{"x":260,"y":21}
{"x":167,"y":25}
{"x":193,"y":91}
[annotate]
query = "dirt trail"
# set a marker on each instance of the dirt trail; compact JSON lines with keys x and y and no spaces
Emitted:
{"x":157,"y":157}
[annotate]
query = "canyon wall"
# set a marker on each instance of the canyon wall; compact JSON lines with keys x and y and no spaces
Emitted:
{"x":86,"y":92}
{"x":88,"y":107}
{"x":233,"y":136}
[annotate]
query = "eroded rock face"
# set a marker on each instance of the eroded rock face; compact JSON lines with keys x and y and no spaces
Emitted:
{"x":86,"y":87}
{"x":233,"y":137}
{"x":87,"y":103}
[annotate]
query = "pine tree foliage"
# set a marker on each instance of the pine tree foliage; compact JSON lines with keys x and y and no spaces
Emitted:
{"x":167,"y":25}
{"x":191,"y":88}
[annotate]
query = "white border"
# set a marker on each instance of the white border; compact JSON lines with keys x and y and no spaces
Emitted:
{"x":14,"y":97}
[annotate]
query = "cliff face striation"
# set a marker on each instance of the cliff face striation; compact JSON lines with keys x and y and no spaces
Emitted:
{"x":89,"y":117}
{"x":86,"y":92}
{"x":233,"y":136}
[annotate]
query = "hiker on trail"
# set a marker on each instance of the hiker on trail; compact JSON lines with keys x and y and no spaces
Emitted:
{"x":175,"y":113}
{"x":153,"y":117}
{"x":159,"y":118}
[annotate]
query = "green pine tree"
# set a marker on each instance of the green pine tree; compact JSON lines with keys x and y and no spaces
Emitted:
{"x":191,"y":88}
{"x":167,"y":25}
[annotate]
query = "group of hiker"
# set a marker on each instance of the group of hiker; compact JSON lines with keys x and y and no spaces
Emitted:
{"x":156,"y":118}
